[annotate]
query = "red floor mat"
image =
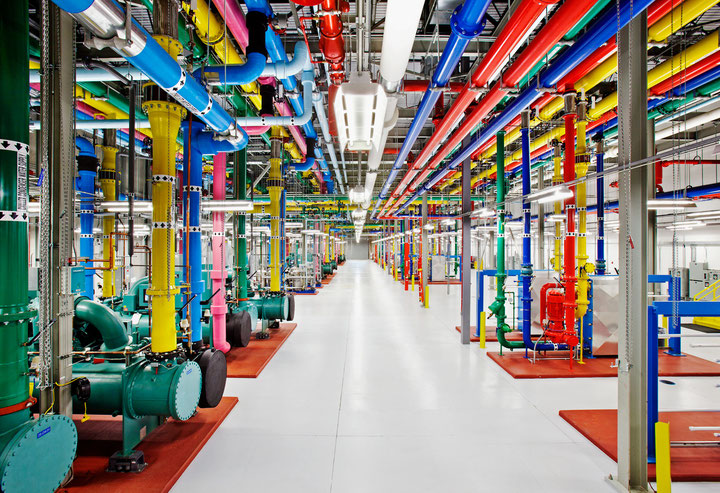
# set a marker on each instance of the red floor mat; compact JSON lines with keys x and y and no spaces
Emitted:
{"x":452,"y":282}
{"x":168,"y":451}
{"x":249,"y":361}
{"x":518,"y":366}
{"x":328,"y":279}
{"x":491,"y":335}
{"x":305,"y":294}
{"x":687,"y":463}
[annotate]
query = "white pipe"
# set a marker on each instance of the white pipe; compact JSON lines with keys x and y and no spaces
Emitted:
{"x":84,"y":74}
{"x":99,"y":124}
{"x":325,"y":127}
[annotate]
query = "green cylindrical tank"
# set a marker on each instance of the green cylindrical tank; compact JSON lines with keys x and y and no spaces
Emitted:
{"x":142,"y":389}
{"x":35,"y":454}
{"x":272,"y":307}
{"x":327,"y":269}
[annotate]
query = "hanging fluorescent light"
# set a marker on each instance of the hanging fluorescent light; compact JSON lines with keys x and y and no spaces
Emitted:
{"x":483,"y":212}
{"x":685,"y":225}
{"x":357,"y":194}
{"x":661,"y":204}
{"x":121,"y":206}
{"x":227,"y":205}
{"x":550,"y":195}
{"x":556,"y":218}
{"x":429,"y":227}
{"x":310,"y":231}
{"x":292,"y":225}
{"x":360,"y":113}
{"x":448,"y":222}
{"x":700,"y":214}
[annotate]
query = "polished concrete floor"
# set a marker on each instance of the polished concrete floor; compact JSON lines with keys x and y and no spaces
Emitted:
{"x":373,"y":393}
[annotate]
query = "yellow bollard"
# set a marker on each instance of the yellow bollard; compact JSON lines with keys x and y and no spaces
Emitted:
{"x":427,"y":293}
{"x":482,"y":330}
{"x":412,"y":282}
{"x":662,"y":457}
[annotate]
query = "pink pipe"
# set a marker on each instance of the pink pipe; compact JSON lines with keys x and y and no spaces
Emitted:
{"x":219,"y":305}
{"x":284,"y":110}
{"x":235,"y":19}
{"x":259,"y":130}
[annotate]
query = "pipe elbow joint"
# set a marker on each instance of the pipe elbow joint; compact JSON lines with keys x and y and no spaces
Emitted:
{"x":465,"y":27}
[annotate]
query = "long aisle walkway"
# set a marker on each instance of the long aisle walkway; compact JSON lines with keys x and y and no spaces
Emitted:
{"x":373,"y":393}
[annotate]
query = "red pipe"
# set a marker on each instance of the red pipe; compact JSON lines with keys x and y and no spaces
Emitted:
{"x":308,"y":3}
{"x":332,"y":44}
{"x":707,"y":63}
{"x":568,"y":14}
{"x":569,"y":278}
{"x":421,"y":86}
{"x":560,"y":20}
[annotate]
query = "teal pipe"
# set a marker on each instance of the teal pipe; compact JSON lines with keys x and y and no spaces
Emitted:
{"x":105,"y":321}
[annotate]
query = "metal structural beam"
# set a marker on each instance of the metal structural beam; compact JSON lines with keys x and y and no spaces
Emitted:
{"x":633,"y":241}
{"x":466,"y":300}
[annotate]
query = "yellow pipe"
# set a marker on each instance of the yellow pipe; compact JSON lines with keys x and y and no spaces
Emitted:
{"x":582,"y":161}
{"x":669,"y":68}
{"x":275,"y":188}
{"x":327,"y":242}
{"x":556,"y":180}
{"x":165,"y":120}
{"x":107,"y":184}
{"x":678,"y":17}
{"x":212,"y":33}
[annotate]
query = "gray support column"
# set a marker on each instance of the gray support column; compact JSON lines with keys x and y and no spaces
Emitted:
{"x":633,"y":245}
{"x":540,"y":261}
{"x":466,"y":299}
{"x":425,"y":246}
{"x":652,"y":215}
{"x":61,"y":228}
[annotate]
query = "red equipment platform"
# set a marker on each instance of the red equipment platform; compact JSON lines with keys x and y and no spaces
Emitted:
{"x":248,"y":362}
{"x":168,"y":450}
{"x":686,"y":463}
{"x":518,"y":366}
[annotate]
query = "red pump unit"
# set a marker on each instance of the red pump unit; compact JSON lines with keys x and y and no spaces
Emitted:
{"x":552,"y":315}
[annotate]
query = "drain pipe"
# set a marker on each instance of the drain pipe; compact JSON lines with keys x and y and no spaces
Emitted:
{"x":87,"y":163}
{"x":498,"y":306}
{"x":600,"y":184}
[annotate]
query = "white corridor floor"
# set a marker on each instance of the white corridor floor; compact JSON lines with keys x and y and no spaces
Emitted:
{"x":374,"y":393}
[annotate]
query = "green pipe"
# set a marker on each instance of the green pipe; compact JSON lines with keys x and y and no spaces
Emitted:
{"x":35,"y":454}
{"x":272,"y":307}
{"x":590,"y":15}
{"x":498,"y":306}
{"x":105,"y":321}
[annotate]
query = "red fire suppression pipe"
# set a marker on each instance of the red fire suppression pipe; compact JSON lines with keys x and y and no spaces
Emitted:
{"x":569,"y":278}
{"x":406,"y":261}
{"x":557,"y":26}
{"x":332,"y":44}
{"x":419,"y":85}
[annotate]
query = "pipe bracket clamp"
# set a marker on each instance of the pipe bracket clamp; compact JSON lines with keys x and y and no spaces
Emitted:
{"x":163,"y":179}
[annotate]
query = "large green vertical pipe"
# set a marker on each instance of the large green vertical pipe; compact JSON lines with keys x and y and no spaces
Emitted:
{"x":240,"y":188}
{"x":14,"y":137}
{"x":498,"y":306}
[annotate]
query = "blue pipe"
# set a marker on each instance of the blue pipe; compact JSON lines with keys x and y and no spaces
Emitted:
{"x":192,"y":256}
{"x":526,"y":267}
{"x":85,"y":184}
{"x":597,"y":34}
{"x":153,"y":60}
{"x":466,"y":23}
{"x":235,"y":75}
{"x":600,"y":264}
